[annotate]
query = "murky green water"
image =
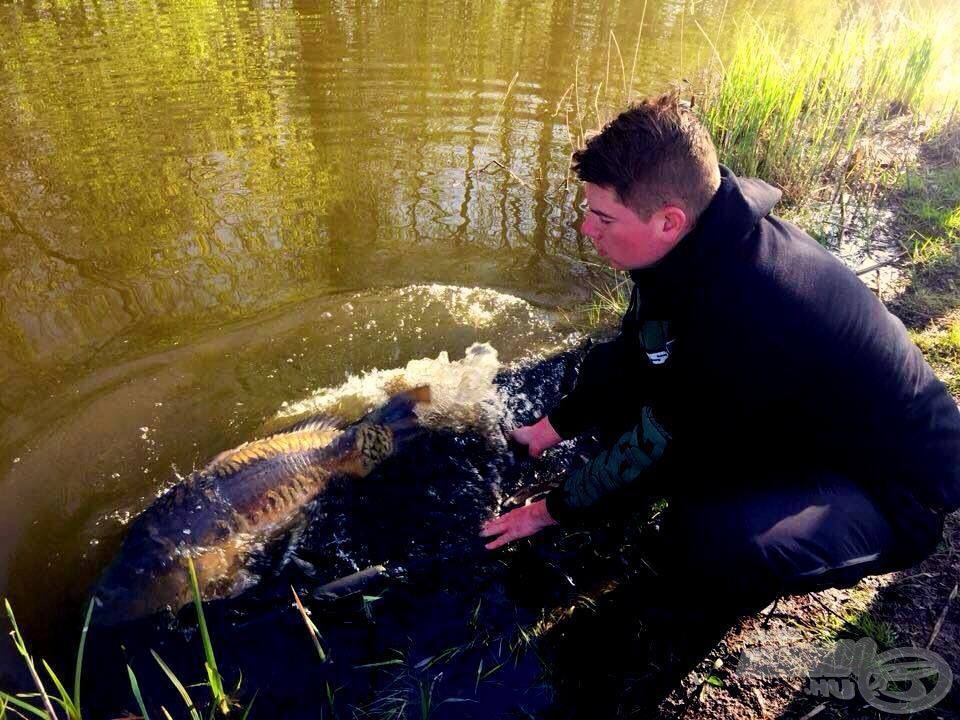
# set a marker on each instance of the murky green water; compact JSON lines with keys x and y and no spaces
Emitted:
{"x":210,"y":208}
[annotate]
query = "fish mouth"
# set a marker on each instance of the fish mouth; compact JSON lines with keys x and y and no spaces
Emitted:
{"x":123,"y":597}
{"x":113,"y":608}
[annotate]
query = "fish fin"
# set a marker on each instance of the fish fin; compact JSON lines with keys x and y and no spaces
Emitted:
{"x":295,"y":537}
{"x":221,"y":456}
{"x":312,"y":423}
{"x":305,"y":567}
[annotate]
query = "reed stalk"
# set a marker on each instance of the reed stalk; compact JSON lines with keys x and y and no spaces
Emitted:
{"x":220,"y":697}
{"x":793,"y":112}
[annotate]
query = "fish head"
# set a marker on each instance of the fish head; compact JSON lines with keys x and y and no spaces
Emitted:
{"x":137,"y":587}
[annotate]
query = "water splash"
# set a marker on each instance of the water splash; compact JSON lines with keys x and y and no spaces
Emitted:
{"x":463,"y":392}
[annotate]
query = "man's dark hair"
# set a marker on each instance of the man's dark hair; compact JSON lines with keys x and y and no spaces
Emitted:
{"x":655,"y":153}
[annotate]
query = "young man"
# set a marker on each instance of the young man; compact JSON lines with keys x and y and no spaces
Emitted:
{"x":801,"y":437}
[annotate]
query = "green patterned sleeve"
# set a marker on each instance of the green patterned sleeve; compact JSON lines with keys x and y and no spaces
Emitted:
{"x":631,"y":456}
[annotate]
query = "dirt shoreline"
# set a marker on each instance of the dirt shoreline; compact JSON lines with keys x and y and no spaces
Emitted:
{"x":919,"y":605}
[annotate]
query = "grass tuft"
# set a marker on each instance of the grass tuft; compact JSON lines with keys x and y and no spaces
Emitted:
{"x":930,"y":205}
{"x":21,"y":647}
{"x":940,"y":344}
{"x":792,"y":113}
{"x":609,"y":301}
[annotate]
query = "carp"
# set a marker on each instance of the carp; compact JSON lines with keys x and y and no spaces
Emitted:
{"x":222,"y":514}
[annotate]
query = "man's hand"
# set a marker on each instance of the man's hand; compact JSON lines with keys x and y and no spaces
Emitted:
{"x":537,"y":437}
{"x":517,"y":524}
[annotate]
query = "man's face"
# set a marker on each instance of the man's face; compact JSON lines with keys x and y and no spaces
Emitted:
{"x":624,"y":240}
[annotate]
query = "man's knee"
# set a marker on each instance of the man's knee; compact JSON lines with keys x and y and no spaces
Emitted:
{"x":809,"y":536}
{"x":701,"y":546}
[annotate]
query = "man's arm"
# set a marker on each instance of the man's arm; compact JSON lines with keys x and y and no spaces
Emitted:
{"x":605,"y":370}
{"x":639,"y":453}
{"x":598,"y":394}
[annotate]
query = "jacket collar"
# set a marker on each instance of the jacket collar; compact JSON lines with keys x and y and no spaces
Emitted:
{"x":738,"y":205}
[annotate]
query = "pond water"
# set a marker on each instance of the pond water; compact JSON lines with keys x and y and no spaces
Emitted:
{"x":209,"y":209}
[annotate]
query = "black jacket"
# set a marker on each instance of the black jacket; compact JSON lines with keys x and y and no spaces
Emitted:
{"x":761,"y":353}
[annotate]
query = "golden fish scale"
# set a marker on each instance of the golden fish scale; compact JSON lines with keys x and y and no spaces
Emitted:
{"x":268,"y":448}
{"x":273,"y":494}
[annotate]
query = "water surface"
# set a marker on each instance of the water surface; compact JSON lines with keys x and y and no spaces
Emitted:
{"x":208,"y":209}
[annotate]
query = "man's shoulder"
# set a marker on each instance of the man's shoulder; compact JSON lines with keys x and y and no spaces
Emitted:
{"x":785,"y":258}
{"x":781,"y":279}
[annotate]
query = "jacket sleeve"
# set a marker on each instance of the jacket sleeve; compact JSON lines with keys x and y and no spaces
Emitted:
{"x":643,"y":452}
{"x":598,"y":388}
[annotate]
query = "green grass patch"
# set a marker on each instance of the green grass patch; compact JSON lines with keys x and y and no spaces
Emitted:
{"x":856,"y":621}
{"x":940,"y":344}
{"x":930,"y":210}
{"x":862,"y":624}
{"x":792,"y":112}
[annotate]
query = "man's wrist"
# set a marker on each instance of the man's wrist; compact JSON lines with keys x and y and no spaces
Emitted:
{"x":543,"y":513}
{"x":547,"y":436}
{"x":555,"y":504}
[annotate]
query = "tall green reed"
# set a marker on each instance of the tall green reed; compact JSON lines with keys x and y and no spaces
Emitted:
{"x":215,"y":680}
{"x":792,"y":112}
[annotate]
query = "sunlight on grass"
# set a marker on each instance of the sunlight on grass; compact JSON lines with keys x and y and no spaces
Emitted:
{"x":792,"y":112}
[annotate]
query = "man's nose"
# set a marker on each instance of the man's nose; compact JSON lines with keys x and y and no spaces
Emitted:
{"x":588,"y":227}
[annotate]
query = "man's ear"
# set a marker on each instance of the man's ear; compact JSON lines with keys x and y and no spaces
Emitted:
{"x":674,"y":220}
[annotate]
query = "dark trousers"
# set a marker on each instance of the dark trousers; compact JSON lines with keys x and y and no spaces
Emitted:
{"x":717,"y":557}
{"x":795,"y":534}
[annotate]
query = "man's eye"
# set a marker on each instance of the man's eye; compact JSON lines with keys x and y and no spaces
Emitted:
{"x":603,"y":220}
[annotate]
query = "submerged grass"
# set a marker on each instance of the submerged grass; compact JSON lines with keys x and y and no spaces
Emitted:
{"x":26,"y":704}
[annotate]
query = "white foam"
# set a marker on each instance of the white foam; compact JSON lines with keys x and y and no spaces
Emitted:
{"x":463,"y":395}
